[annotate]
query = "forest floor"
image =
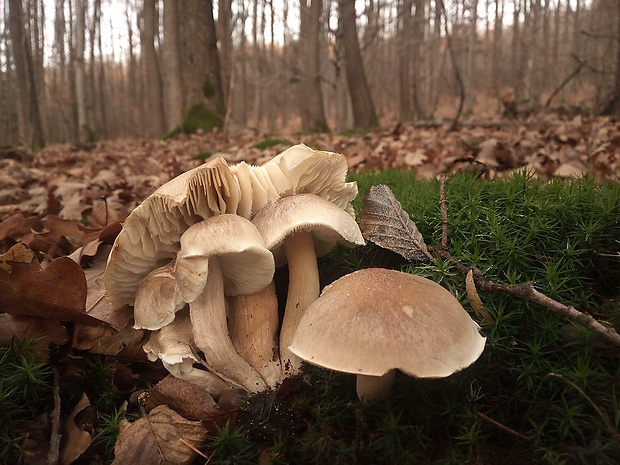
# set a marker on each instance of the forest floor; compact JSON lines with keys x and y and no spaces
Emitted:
{"x":58,"y":202}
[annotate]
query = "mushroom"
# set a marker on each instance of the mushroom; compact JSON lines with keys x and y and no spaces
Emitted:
{"x":298,"y":229}
{"x":151,"y":233}
{"x":222,"y":255}
{"x":157,"y":299}
{"x":374,"y":321}
{"x":174,"y":346}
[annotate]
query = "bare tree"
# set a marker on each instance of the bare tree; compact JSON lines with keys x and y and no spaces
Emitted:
{"x":171,"y":61}
{"x":311,"y":95}
{"x":154,"y":100}
{"x":31,"y":133}
{"x":364,"y":115}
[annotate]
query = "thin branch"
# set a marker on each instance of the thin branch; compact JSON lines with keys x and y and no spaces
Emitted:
{"x":564,"y":83}
{"x":504,"y":428}
{"x":443,"y":205}
{"x":526,"y":291}
{"x":53,"y":454}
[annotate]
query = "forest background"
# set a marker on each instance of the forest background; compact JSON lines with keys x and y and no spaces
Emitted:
{"x":79,"y":71}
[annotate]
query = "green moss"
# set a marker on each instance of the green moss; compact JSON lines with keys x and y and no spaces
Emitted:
{"x":542,"y":377}
{"x":197,"y":117}
{"x":202,"y":155}
{"x":207,"y":88}
{"x":271,"y":142}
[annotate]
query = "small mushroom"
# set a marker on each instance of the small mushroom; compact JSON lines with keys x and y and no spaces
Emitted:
{"x":374,"y":321}
{"x":157,"y":299}
{"x":222,"y":255}
{"x":297,"y":229}
{"x":174,"y":346}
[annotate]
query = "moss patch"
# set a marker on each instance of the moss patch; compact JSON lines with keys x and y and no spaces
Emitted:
{"x":197,"y":117}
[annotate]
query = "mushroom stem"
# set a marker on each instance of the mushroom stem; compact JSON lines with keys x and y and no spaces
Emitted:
{"x":375,"y":388}
{"x":253,"y":325}
{"x":303,"y":289}
{"x":208,"y":316}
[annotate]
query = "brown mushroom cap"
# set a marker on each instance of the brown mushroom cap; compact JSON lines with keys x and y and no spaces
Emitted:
{"x":375,"y":320}
{"x":151,"y":233}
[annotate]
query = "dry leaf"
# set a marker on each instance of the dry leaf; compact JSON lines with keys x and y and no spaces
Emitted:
{"x":384,"y":222}
{"x":76,"y":440}
{"x":160,"y":437}
{"x":22,"y":327}
{"x":185,"y":398}
{"x":106,"y":340}
{"x":474,"y":299}
{"x":57,"y":292}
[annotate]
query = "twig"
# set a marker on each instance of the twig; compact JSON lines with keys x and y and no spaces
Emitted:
{"x":526,"y":291}
{"x":504,"y":428}
{"x":53,"y":454}
{"x":564,"y":83}
{"x":443,"y":205}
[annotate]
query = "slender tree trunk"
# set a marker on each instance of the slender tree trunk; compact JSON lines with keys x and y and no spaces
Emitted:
{"x":613,"y":107}
{"x":31,"y":133}
{"x":213,"y":61}
{"x":224,"y":33}
{"x":154,"y":100}
{"x":171,"y":60}
{"x":310,"y":93}
{"x":364,"y":115}
{"x":405,"y":32}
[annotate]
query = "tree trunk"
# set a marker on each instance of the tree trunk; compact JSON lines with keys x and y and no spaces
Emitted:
{"x":310,"y":93}
{"x":405,"y":41}
{"x":171,"y":60}
{"x":364,"y":115}
{"x":154,"y":96}
{"x":213,"y":61}
{"x":224,"y":33}
{"x":613,"y":107}
{"x":30,"y":129}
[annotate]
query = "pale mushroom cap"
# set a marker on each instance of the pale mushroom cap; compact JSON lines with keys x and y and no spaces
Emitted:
{"x":151,"y":233}
{"x":315,"y":172}
{"x":157,"y":299}
{"x":327,"y":222}
{"x":375,"y":320}
{"x":173,"y":344}
{"x":247,"y":265}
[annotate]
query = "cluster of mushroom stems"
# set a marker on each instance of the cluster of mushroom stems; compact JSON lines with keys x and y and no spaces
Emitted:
{"x":196,"y":260}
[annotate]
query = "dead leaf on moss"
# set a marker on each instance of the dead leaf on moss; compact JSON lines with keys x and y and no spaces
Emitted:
{"x":162,"y":436}
{"x":22,"y":327}
{"x":76,"y":439}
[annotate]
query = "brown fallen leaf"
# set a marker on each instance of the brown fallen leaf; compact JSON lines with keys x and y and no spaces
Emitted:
{"x":474,"y":299}
{"x":161,"y":437}
{"x":76,"y":440}
{"x":185,"y":398}
{"x":23,"y":327}
{"x":105,"y":340}
{"x":57,"y":292}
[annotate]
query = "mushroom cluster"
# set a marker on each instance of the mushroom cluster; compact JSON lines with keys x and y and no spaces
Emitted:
{"x":196,"y":262}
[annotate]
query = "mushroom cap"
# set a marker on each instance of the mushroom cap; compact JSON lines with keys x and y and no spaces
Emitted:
{"x":375,"y":320}
{"x":327,"y":222}
{"x":247,"y":265}
{"x":151,"y":233}
{"x":173,"y":344}
{"x":300,"y":169}
{"x":157,"y":299}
